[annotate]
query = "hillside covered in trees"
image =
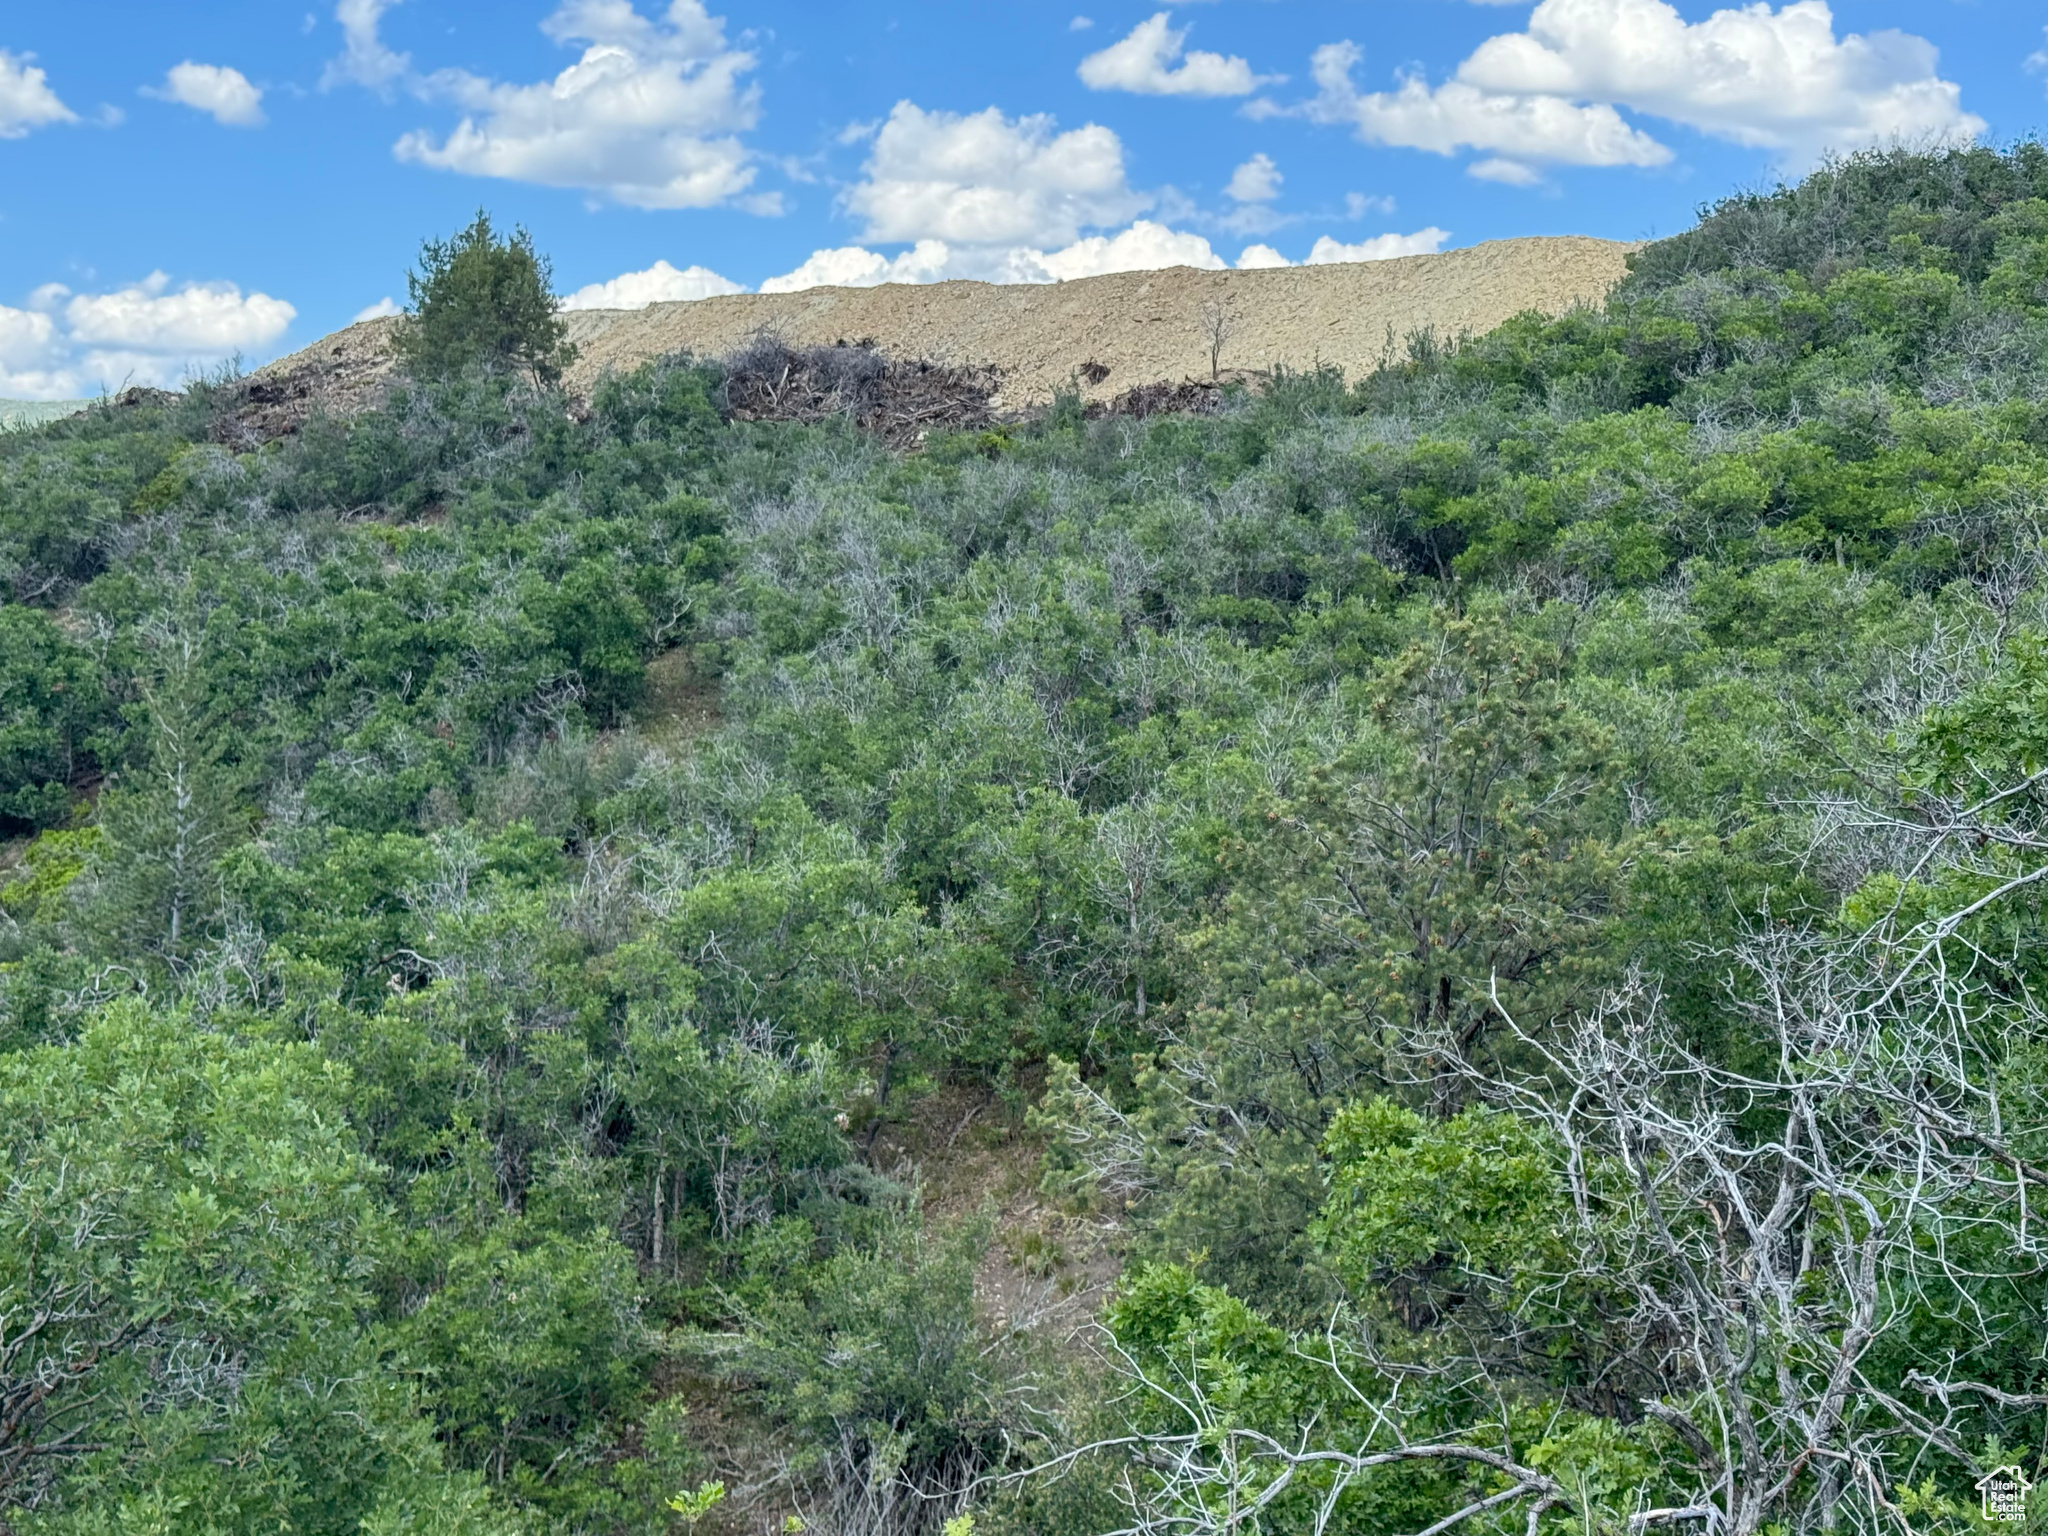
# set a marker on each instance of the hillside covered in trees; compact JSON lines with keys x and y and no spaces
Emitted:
{"x":1491,"y":911}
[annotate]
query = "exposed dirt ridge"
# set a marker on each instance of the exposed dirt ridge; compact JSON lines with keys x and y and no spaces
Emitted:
{"x":1134,"y":328}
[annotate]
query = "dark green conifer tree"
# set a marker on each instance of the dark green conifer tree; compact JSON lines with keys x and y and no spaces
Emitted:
{"x":479,"y":300}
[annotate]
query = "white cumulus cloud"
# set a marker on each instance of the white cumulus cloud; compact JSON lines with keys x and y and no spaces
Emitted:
{"x":383,"y":309}
{"x":853,"y":266}
{"x":1510,"y":173}
{"x":658,"y":284}
{"x":1458,"y":115}
{"x":224,"y":94}
{"x":1778,"y":80}
{"x":1423,"y":242}
{"x":1329,"y":250}
{"x":65,"y":344}
{"x":1143,"y":247}
{"x":26,"y":100}
{"x":200,"y":318}
{"x":987,"y":179}
{"x":26,"y":337}
{"x":1256,"y":181}
{"x":364,"y":58}
{"x":649,"y":115}
{"x":1153,"y":61}
{"x":990,"y":198}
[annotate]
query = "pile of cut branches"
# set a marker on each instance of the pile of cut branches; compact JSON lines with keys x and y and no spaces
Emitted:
{"x":1190,"y":397}
{"x":900,"y":402}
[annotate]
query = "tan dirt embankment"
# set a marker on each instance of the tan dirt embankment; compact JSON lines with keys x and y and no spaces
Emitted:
{"x":1142,"y":327}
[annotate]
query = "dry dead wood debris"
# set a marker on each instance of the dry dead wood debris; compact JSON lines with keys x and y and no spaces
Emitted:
{"x":899,"y":401}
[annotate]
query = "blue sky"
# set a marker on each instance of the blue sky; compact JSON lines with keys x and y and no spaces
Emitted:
{"x":183,"y":182}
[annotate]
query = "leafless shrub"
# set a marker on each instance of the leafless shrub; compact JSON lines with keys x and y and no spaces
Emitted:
{"x":2002,"y":549}
{"x":1219,"y":324}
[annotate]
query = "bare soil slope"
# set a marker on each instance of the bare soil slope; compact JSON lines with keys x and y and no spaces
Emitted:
{"x":1141,"y":327}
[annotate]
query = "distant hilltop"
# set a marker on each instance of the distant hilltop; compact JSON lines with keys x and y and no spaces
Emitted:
{"x":33,"y":413}
{"x":1105,"y":335}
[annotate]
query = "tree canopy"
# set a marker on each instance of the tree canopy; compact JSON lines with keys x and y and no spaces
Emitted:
{"x":482,"y":300}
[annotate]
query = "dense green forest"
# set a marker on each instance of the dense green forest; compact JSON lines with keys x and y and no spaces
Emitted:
{"x":1454,"y":950}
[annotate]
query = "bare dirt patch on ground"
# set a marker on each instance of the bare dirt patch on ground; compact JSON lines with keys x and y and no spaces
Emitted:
{"x":681,"y":703}
{"x":1050,"y":1266}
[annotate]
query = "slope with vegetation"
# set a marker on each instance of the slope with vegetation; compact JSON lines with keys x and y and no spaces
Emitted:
{"x":1511,"y":885}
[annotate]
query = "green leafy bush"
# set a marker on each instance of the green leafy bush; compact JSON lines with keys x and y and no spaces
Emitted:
{"x":483,"y":301}
{"x":53,"y":715}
